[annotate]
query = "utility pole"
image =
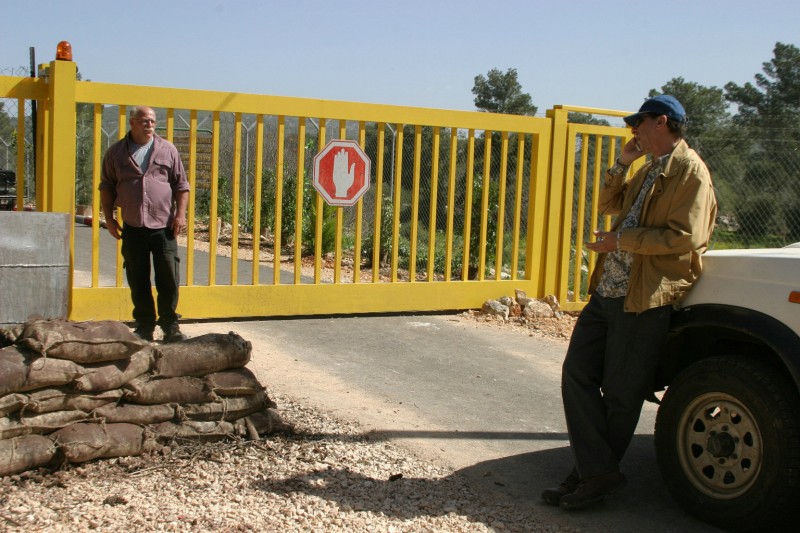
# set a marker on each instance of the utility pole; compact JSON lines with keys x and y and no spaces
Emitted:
{"x":32,"y":52}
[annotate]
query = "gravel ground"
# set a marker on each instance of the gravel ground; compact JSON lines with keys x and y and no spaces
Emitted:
{"x":326,"y":476}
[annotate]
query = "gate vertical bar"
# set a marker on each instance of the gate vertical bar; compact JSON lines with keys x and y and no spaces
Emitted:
{"x":320,"y":210}
{"x":501,"y":206}
{"x":362,"y":141}
{"x":398,"y":173}
{"x":190,"y":215}
{"x":236,"y":178}
{"x":486,"y":183}
{"x":518,"y":205}
{"x":468,"y":203}
{"x":213,"y":236}
{"x":298,"y":206}
{"x":433,"y":202}
{"x":96,"y":172}
{"x":451,"y":192}
{"x":412,"y":255}
{"x":376,"y":230}
{"x":337,"y":254}
{"x":257,"y":179}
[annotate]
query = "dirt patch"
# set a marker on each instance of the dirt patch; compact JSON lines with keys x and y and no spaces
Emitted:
{"x":552,"y":328}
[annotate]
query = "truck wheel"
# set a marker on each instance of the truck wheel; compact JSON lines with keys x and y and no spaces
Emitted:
{"x":728,"y":444}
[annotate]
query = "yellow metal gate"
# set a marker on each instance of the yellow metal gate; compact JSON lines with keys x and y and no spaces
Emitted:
{"x":462,"y":206}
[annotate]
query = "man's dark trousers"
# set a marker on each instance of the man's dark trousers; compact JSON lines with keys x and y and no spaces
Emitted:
{"x":138,"y":244}
{"x":607,"y":373}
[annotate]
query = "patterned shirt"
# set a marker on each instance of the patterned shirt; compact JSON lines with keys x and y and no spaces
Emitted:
{"x":617,"y":264}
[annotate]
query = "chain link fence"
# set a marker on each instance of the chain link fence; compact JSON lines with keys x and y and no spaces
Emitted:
{"x":757,"y":187}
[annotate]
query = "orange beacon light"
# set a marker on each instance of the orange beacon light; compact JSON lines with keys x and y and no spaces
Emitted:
{"x":64,"y":51}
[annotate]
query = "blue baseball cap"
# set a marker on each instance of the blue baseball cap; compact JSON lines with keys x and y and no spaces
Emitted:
{"x":662,"y":104}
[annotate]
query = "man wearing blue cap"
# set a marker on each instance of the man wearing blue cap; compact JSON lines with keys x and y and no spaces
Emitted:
{"x":646,"y":265}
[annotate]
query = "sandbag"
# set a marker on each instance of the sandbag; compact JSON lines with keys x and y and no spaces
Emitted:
{"x":183,"y":389}
{"x":42,"y":424}
{"x":11,"y":427}
{"x":48,"y":372}
{"x":237,"y":382}
{"x":11,"y":403}
{"x":81,"y":342}
{"x":198,"y":356}
{"x":49,"y":400}
{"x":269,"y":421}
{"x":115,"y":375}
{"x":192,"y":429}
{"x":48,"y":422}
{"x":13,"y":369}
{"x":135,"y":414}
{"x":79,"y":443}
{"x":24,"y":453}
{"x":229,"y":409}
{"x":9,"y":335}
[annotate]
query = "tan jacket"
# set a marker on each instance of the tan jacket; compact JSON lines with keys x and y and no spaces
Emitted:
{"x":674,"y":229}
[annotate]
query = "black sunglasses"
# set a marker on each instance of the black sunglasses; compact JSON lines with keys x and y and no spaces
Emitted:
{"x":641,"y":118}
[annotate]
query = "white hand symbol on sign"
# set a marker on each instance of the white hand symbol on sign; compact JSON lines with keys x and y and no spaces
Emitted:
{"x":342,"y":179}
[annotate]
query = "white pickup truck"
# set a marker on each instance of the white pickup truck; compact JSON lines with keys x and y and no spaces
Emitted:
{"x":728,"y":428}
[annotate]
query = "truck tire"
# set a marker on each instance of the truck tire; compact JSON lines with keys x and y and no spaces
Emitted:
{"x":728,"y":444}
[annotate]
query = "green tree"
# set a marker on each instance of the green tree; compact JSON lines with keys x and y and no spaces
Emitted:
{"x":501,"y":93}
{"x":775,"y":98}
{"x":769,"y":112}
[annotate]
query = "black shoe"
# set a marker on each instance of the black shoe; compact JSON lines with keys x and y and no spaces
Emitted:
{"x":172,"y":333}
{"x":592,"y":490}
{"x":553,"y":496}
{"x":146,"y":334}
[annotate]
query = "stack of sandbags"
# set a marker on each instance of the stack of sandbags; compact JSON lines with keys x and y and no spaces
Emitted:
{"x":77,"y":391}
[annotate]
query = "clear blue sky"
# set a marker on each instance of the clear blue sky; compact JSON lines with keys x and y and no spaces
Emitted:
{"x":408,"y":52}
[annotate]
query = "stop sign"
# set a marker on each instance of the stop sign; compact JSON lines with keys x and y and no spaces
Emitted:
{"x":341,"y":172}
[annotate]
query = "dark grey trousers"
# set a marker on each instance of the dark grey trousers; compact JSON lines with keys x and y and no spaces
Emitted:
{"x":607,"y":373}
{"x":138,"y":246}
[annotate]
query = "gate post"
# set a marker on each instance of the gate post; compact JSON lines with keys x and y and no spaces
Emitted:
{"x":554,"y":248}
{"x":60,"y":178}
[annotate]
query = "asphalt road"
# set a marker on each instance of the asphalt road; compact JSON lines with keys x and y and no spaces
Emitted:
{"x":483,"y":400}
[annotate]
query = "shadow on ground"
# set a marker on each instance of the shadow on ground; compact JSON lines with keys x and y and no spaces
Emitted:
{"x":504,"y":487}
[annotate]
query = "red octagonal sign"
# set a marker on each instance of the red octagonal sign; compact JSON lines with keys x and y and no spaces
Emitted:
{"x":341,"y":172}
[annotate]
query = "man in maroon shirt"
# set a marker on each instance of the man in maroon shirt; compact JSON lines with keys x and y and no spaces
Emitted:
{"x":144,"y":176}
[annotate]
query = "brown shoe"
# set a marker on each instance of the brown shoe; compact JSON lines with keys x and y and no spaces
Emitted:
{"x":553,"y":496}
{"x":592,"y":490}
